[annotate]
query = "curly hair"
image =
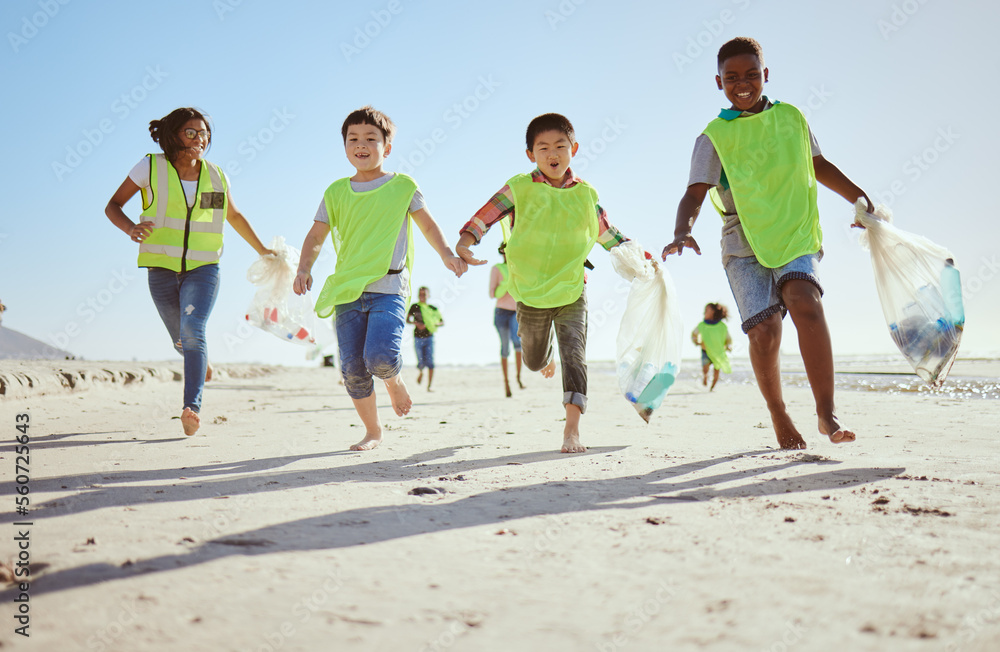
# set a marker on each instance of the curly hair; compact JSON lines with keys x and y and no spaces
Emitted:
{"x":719,"y":311}
{"x":741,"y":45}
{"x":166,"y":130}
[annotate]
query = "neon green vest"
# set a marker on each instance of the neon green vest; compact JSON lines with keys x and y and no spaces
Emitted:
{"x":431,"y":316}
{"x":183,"y":238}
{"x":504,"y":285}
{"x":768,"y":161}
{"x":714,"y":336}
{"x":554,"y":230}
{"x":364,"y":227}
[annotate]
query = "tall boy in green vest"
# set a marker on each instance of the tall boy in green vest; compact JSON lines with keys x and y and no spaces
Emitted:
{"x":761,"y":163}
{"x":368,"y":217}
{"x":554,"y":222}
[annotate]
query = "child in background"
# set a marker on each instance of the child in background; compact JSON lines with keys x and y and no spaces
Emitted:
{"x":426,"y":319}
{"x":713,"y":338}
{"x":505,"y":318}
{"x":368,"y":217}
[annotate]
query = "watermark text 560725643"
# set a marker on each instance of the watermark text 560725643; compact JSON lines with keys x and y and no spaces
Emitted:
{"x":22,"y":527}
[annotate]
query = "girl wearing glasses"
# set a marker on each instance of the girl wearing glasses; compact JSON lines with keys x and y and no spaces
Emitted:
{"x":185,"y":202}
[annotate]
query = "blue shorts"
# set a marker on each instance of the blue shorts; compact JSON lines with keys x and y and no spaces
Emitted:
{"x":705,"y":360}
{"x":757,"y":289}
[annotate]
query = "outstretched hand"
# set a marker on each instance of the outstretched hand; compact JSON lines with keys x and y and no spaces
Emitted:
{"x":466,"y":255}
{"x":677,"y":246}
{"x":455,"y":264}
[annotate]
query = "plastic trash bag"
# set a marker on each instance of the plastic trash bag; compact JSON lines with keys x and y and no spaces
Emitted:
{"x":921,"y":293}
{"x":275,"y":307}
{"x":650,"y":336}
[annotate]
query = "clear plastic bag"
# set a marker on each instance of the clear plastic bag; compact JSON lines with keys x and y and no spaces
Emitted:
{"x":650,"y":336}
{"x":920,"y":290}
{"x":275,"y":307}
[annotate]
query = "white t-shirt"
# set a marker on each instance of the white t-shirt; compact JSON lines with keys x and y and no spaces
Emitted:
{"x":139,"y":175}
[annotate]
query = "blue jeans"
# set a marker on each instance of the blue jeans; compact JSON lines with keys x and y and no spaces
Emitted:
{"x":369,"y":334}
{"x":425,"y":351}
{"x":184,"y":301}
{"x":506,"y":324}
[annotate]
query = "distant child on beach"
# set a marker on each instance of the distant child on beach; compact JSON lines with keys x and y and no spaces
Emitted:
{"x":426,"y":319}
{"x":505,"y":319}
{"x":555,"y":220}
{"x":368,"y":216}
{"x":713,"y":337}
{"x":761,"y":162}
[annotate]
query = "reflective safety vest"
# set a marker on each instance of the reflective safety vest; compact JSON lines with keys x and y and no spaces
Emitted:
{"x":183,"y":237}
{"x":504,"y":285}
{"x":554,"y":231}
{"x":767,"y":160}
{"x":714,"y":337}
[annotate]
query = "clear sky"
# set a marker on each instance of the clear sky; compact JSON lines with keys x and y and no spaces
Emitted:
{"x":895,"y":92}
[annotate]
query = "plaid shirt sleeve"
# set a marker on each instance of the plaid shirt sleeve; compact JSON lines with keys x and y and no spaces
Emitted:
{"x":608,"y":236}
{"x":499,"y":206}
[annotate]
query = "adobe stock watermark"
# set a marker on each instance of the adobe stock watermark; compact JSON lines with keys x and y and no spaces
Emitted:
{"x":122,"y":106}
{"x":88,"y":309}
{"x":106,"y":635}
{"x":250,"y":147}
{"x":562,"y":12}
{"x":707,"y":37}
{"x":33,"y":24}
{"x":365,"y":34}
{"x":638,"y":617}
{"x":455,"y":116}
{"x":592,"y":149}
{"x":899,"y":16}
{"x":302,"y":611}
{"x":973,"y":624}
{"x":973,"y":285}
{"x":918,"y":165}
{"x":793,"y":634}
{"x":223,"y":7}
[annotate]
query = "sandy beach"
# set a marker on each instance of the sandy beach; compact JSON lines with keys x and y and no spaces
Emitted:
{"x":264,"y":533}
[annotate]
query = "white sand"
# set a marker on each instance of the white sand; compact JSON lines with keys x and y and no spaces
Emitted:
{"x":263,"y":532}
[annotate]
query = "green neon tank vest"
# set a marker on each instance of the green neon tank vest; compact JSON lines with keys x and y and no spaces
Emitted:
{"x":554,"y":231}
{"x":767,"y":160}
{"x":364,"y":227}
{"x":431,"y":316}
{"x":183,"y":237}
{"x":714,"y":336}
{"x":504,"y":284}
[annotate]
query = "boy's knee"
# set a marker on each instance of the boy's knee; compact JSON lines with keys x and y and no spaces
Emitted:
{"x":384,"y":366}
{"x":766,"y":334}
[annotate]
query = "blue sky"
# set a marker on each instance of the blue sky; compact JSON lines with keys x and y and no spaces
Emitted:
{"x":893,"y":90}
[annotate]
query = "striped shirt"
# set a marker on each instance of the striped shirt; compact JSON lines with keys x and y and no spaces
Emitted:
{"x":501,"y":205}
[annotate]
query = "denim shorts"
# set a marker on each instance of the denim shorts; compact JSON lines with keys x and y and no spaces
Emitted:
{"x":425,"y":351}
{"x":369,"y":334}
{"x":757,"y":289}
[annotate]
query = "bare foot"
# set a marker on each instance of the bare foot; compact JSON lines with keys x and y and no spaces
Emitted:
{"x":506,"y":387}
{"x":208,"y":373}
{"x":788,"y":436}
{"x":704,"y":380}
{"x":519,"y":383}
{"x":190,"y":421}
{"x":400,"y":398}
{"x":420,"y":376}
{"x":549,"y":370}
{"x":837,"y":433}
{"x":571,"y":444}
{"x":368,"y":443}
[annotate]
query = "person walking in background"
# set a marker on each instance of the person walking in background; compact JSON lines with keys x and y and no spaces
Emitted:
{"x":185,"y":203}
{"x":426,"y":319}
{"x":713,"y":337}
{"x":505,"y":318}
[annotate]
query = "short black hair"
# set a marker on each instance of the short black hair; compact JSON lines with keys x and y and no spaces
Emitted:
{"x":368,"y":115}
{"x":549,"y":122}
{"x":741,"y":45}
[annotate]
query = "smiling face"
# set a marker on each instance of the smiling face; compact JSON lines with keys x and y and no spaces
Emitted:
{"x":742,"y":79}
{"x":194,"y":147}
{"x":552,"y":153}
{"x":366,"y":149}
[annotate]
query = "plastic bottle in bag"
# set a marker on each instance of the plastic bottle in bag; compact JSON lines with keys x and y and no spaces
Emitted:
{"x":951,"y":288}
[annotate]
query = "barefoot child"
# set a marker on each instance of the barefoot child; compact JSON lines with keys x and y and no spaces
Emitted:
{"x":761,"y":162}
{"x":368,"y":216}
{"x":713,"y":338}
{"x":555,"y":220}
{"x":426,"y":319}
{"x":505,"y":319}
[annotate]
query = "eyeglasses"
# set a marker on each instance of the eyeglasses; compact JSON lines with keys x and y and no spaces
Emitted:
{"x":190,"y":134}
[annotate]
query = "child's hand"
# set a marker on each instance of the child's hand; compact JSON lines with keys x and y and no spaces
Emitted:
{"x":677,"y":246}
{"x":303,"y":283}
{"x":466,"y":255}
{"x":455,"y":264}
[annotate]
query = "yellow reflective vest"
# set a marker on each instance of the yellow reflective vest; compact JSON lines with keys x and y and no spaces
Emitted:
{"x":183,"y":237}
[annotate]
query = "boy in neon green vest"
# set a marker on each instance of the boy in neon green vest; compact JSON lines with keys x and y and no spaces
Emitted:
{"x":368,"y":218}
{"x":761,"y":164}
{"x":426,"y":319}
{"x":554,"y":222}
{"x":713,"y":337}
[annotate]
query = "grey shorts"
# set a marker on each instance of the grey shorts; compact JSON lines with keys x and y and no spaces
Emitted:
{"x":757,"y":289}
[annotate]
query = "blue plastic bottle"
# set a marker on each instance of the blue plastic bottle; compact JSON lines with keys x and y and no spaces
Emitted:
{"x":951,"y":288}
